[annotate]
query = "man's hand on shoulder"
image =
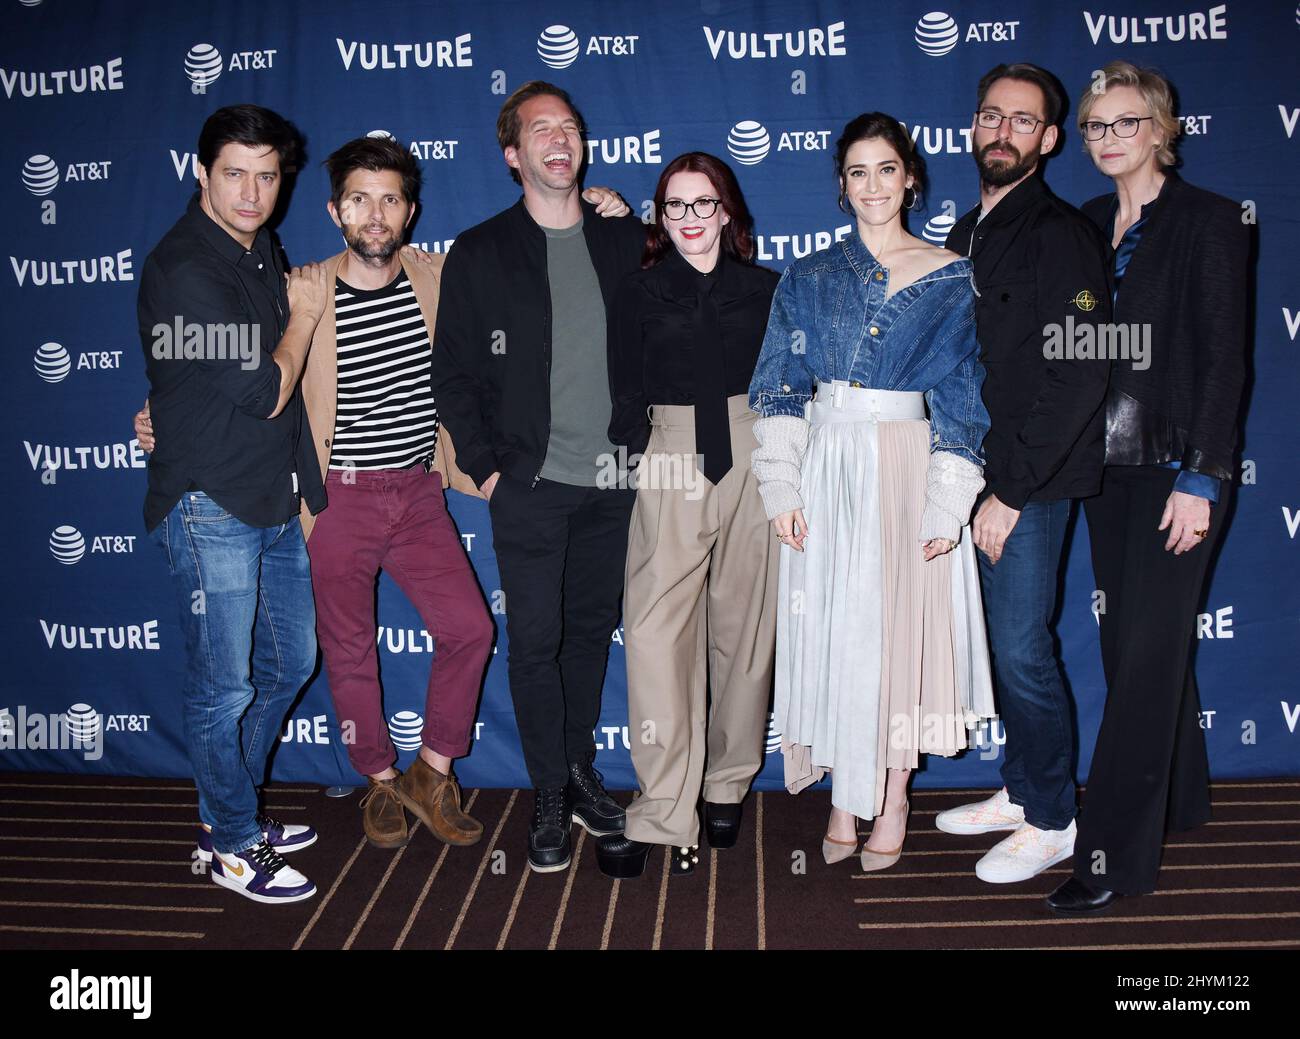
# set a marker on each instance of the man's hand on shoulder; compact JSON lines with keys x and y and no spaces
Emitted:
{"x":607,"y":201}
{"x":307,"y":293}
{"x":410,"y":252}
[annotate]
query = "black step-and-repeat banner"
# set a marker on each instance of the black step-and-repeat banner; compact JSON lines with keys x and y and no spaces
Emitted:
{"x":102,"y":106}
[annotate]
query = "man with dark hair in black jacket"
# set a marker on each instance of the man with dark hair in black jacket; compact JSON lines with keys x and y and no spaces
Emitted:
{"x":1040,"y":274}
{"x":523,"y":387}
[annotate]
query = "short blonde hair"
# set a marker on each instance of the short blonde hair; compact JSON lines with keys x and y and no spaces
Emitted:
{"x":1155,"y":91}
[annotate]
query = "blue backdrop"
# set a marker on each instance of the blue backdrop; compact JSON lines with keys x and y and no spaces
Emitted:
{"x":102,"y":106}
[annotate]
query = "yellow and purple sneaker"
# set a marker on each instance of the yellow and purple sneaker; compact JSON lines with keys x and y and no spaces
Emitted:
{"x":281,"y":837}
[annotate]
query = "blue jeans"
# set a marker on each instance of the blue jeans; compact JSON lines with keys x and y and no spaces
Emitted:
{"x":1019,"y":600}
{"x":244,"y":593}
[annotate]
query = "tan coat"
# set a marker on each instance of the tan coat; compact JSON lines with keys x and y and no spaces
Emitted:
{"x":320,"y":378}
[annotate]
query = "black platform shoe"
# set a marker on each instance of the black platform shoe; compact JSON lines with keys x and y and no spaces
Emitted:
{"x":721,"y":824}
{"x":684,"y":859}
{"x":621,"y":857}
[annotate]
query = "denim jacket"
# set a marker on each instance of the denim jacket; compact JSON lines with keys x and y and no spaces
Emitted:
{"x":830,"y":320}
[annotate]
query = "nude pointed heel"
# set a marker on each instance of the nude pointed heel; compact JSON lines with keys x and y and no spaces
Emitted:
{"x":873,"y":861}
{"x":834,"y":850}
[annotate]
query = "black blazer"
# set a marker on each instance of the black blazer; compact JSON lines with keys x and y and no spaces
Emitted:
{"x":1038,"y":263}
{"x":492,"y":382}
{"x":1187,"y":281}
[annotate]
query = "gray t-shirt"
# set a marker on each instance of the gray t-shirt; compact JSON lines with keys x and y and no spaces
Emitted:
{"x":580,"y":404}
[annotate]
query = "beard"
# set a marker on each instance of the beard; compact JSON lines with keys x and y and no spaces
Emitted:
{"x":998,"y":174}
{"x":380,"y":250}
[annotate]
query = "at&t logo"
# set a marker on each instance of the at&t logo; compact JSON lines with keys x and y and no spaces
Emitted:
{"x":443,"y":149}
{"x":68,"y":546}
{"x":559,"y":46}
{"x":937,"y":33}
{"x":937,"y":228}
{"x":204,"y":64}
{"x":41,"y":177}
{"x":405,"y":727}
{"x":749,"y":142}
{"x":53,"y":362}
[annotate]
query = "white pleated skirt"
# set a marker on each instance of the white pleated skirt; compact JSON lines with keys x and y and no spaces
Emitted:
{"x":880,"y":655}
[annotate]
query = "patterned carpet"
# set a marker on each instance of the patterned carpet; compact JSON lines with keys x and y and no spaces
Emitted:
{"x":91,"y":862}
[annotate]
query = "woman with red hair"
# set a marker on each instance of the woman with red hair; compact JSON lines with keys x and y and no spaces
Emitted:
{"x":698,"y":605}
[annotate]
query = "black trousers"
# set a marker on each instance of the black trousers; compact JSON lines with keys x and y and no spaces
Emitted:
{"x":561,"y":551}
{"x":1149,"y":771}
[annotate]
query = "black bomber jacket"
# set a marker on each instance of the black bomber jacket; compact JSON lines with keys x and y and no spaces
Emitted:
{"x":493,"y":335}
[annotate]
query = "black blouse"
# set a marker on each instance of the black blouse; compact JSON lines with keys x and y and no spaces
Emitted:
{"x":650,"y":331}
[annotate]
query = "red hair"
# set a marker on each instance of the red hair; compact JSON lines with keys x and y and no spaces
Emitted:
{"x":737,"y":238}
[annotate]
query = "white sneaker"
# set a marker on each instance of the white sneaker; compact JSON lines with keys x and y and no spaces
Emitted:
{"x":994,"y":813}
{"x":1026,"y":853}
{"x":260,"y":874}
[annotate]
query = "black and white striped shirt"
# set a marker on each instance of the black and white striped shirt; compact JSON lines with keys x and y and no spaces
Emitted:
{"x":387,"y":418}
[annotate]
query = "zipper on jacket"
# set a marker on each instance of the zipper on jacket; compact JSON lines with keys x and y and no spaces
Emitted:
{"x":546,"y":354}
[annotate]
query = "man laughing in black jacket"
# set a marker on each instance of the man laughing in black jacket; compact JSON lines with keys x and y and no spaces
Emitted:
{"x":523,"y":387}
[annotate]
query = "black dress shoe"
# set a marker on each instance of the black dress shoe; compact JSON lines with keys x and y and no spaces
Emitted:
{"x":593,"y":809}
{"x":549,"y":847}
{"x":722,"y":824}
{"x":621,"y":857}
{"x":1075,"y":898}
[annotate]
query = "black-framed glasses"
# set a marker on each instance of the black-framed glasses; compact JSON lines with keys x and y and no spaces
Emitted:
{"x":1095,"y":130}
{"x":703,"y":208}
{"x":991,"y":120}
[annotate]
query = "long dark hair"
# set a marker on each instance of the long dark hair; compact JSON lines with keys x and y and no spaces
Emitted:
{"x":737,"y":238}
{"x":877,"y":126}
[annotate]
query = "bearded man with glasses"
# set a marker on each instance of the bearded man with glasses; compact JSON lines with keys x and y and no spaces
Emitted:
{"x":1039,"y":269}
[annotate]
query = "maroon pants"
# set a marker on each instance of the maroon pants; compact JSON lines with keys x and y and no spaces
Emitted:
{"x":396,"y":520}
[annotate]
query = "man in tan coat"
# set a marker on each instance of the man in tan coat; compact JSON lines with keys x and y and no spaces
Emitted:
{"x":385,"y":464}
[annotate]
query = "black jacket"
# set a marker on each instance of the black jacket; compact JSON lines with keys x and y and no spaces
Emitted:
{"x":1038,"y":262}
{"x":650,"y":331}
{"x":493,"y":335}
{"x":1186,"y":281}
{"x":210,"y":413}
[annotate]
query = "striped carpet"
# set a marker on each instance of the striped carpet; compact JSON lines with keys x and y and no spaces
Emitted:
{"x":92,"y":862}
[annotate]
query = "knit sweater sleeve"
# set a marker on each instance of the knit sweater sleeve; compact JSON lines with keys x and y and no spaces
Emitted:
{"x":951,"y":484}
{"x":782,"y":440}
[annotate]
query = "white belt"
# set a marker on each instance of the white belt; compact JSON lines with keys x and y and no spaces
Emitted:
{"x":840,"y":400}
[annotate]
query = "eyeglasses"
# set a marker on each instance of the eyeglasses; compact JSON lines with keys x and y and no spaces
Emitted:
{"x":1094,"y":130}
{"x":990,"y":120}
{"x":703,"y":208}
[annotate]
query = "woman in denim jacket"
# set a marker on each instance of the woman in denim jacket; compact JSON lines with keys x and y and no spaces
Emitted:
{"x":881,"y":651}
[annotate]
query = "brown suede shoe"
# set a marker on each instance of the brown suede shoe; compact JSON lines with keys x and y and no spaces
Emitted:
{"x":383,"y":817}
{"x":435,"y":798}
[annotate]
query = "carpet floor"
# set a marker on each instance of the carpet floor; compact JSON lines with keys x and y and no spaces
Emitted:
{"x":99,"y":863}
